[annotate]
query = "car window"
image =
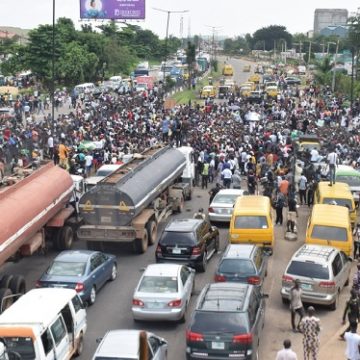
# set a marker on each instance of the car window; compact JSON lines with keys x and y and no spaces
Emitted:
{"x":259,"y":257}
{"x":63,"y":268}
{"x":47,"y":341}
{"x":78,"y":305}
{"x":251,"y":311}
{"x":334,"y":233}
{"x":308,"y":269}
{"x":251,"y":222}
{"x":339,"y":202}
{"x":344,"y":258}
{"x":336,"y":265}
{"x":159,"y":284}
{"x":95,"y":261}
{"x":351,"y":180}
{"x":154,"y":343}
{"x":238,"y":266}
{"x":58,"y":330}
{"x":185,"y":272}
{"x":173,"y":238}
{"x":225,"y":198}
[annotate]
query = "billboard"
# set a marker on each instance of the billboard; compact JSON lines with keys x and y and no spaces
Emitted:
{"x":112,"y":9}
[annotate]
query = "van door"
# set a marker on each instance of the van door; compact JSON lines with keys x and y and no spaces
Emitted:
{"x":79,"y":316}
{"x":61,"y":339}
{"x":48,"y":345}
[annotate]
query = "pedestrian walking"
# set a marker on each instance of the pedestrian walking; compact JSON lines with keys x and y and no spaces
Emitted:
{"x":236,"y":180}
{"x":310,"y":327}
{"x":279,"y":206}
{"x":205,"y":176}
{"x":291,"y":215}
{"x":251,"y":180}
{"x":286,"y":353}
{"x":352,"y":311}
{"x":352,"y":339}
{"x":296,"y":305}
{"x":226,"y":175}
{"x":302,"y":189}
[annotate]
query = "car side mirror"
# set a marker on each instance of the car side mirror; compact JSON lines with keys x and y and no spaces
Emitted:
{"x":163,"y":342}
{"x":267,"y":252}
{"x":98,"y":340}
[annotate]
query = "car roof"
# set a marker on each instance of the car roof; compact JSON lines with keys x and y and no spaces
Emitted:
{"x":162,"y":270}
{"x":124,"y":343}
{"x":111,"y":167}
{"x":225,"y":297}
{"x":252,"y":203}
{"x":309,"y":252}
{"x":230,"y":192}
{"x":74,"y":255}
{"x":330,"y":215}
{"x":330,"y":190}
{"x":241,"y":251}
{"x":183,"y":225}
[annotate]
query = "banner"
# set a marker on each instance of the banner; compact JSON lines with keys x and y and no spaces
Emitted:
{"x":112,"y":9}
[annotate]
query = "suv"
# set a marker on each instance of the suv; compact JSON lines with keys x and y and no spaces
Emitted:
{"x":125,"y":344}
{"x":322,"y":270}
{"x":189,"y":241}
{"x":242,"y":263}
{"x":227,"y":322}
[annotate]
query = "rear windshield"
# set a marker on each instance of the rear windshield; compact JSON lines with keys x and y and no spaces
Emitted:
{"x":238,"y":266}
{"x":339,"y":202}
{"x":308,"y":269}
{"x":158,"y":284}
{"x":177,"y":238}
{"x":205,"y":322}
{"x":329,"y":233}
{"x":226,"y":198}
{"x":21,"y":345}
{"x":351,"y":180}
{"x":250,"y":222}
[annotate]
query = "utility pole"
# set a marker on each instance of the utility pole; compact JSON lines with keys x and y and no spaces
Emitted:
{"x":334,"y":69}
{"x":213,"y":43}
{"x":352,"y":77}
{"x":168,"y":12}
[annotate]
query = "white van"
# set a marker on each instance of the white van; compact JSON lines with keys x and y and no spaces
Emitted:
{"x":84,"y":88}
{"x":45,"y":324}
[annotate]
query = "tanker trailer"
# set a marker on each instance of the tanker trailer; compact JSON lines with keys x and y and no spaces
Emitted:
{"x":128,"y":205}
{"x":34,"y":207}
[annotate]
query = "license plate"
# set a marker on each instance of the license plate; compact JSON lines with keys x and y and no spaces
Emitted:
{"x":306,"y":286}
{"x":218,"y":345}
{"x":176,"y":251}
{"x":155,"y":305}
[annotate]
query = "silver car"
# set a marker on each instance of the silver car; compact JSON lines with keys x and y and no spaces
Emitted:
{"x":125,"y":344}
{"x":163,"y":293}
{"x":323,"y":271}
{"x":221,"y":207}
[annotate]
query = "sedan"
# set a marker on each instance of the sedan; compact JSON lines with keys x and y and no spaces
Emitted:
{"x":221,"y":207}
{"x":163,"y":293}
{"x":83,"y":270}
{"x":292,"y":80}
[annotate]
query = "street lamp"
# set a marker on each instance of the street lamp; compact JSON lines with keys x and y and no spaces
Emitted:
{"x":167,"y":31}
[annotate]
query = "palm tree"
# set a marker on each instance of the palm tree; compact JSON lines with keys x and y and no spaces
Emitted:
{"x":323,"y":74}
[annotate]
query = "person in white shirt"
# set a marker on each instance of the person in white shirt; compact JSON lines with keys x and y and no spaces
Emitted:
{"x":88,"y":164}
{"x":286,"y":353}
{"x":332,"y":159}
{"x":352,"y":343}
{"x":314,"y":155}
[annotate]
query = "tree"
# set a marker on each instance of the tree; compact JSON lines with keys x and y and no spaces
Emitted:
{"x":272,"y":35}
{"x":323,"y":74}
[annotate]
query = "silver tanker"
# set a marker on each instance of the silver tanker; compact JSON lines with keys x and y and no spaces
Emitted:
{"x":128,"y":205}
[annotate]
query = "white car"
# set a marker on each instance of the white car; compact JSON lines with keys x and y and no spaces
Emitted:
{"x":221,"y":207}
{"x":163,"y":293}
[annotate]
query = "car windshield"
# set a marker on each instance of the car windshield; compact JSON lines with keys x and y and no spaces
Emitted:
{"x":223,"y":322}
{"x":226,"y":198}
{"x":323,"y":232}
{"x":22,"y":345}
{"x":103,"y":172}
{"x":251,"y":222}
{"x":238,"y":266}
{"x":177,"y":238}
{"x":159,"y":284}
{"x":351,"y":180}
{"x":309,"y":270}
{"x":63,"y":268}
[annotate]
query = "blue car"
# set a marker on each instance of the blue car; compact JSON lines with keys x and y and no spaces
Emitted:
{"x":82,"y":270}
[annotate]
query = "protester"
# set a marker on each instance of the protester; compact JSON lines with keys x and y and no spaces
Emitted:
{"x":286,"y":353}
{"x":352,"y":339}
{"x":352,"y":310}
{"x":296,"y":306}
{"x":310,"y":327}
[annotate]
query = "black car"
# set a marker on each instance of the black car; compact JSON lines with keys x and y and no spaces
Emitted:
{"x":243,"y":263}
{"x":255,"y":97}
{"x":292,"y":80}
{"x":188,"y":241}
{"x":227,"y":323}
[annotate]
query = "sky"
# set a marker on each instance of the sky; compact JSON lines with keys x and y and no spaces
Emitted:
{"x":230,"y":17}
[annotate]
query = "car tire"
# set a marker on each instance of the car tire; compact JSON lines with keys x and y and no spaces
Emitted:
{"x":202,"y":267}
{"x":335,"y":304}
{"x":92,"y":297}
{"x":151,"y":228}
{"x":113,"y":272}
{"x":5,"y":303}
{"x":141,"y":245}
{"x":80,"y":345}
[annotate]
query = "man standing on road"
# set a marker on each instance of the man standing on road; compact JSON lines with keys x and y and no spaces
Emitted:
{"x":286,"y":353}
{"x":310,"y":327}
{"x":302,"y":189}
{"x":279,"y":206}
{"x":352,"y":343}
{"x":351,"y":310}
{"x":296,"y":305}
{"x":332,"y":159}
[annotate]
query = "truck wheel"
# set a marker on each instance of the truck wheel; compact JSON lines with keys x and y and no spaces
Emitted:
{"x":181,"y":205}
{"x":5,"y":281}
{"x":151,"y":228}
{"x":5,"y":303}
{"x":65,"y":238}
{"x":141,"y":245}
{"x":17,"y":285}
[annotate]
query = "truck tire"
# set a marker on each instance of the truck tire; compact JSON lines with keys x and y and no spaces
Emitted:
{"x":151,"y":228}
{"x":141,"y":245}
{"x":5,"y":281}
{"x":65,"y":238}
{"x":5,"y":303}
{"x":181,"y":205}
{"x":17,"y":285}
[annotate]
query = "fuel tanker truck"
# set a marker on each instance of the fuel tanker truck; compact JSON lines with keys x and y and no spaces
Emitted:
{"x":34,"y":206}
{"x":128,"y":205}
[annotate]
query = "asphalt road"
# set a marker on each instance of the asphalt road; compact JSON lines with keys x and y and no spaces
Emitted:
{"x":112,"y":309}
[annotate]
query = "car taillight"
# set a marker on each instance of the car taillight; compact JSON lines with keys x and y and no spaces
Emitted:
{"x":242,"y":339}
{"x":196,"y":251}
{"x":175,"y":303}
{"x":79,"y":287}
{"x":137,"y":302}
{"x":254,"y":280}
{"x":158,"y":250}
{"x":38,"y":284}
{"x":220,"y":278}
{"x":210,"y":210}
{"x":192,"y":336}
{"x":327,"y":284}
{"x":287,"y":278}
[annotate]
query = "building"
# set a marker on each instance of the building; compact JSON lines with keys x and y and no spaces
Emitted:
{"x":329,"y":17}
{"x":336,"y":30}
